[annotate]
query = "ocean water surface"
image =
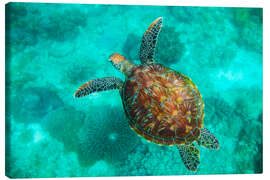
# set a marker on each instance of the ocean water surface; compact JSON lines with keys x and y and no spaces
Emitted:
{"x":52,"y":49}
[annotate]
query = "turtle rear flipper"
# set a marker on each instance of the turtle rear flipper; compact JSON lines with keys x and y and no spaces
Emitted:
{"x":97,"y":85}
{"x":190,"y":155}
{"x":208,"y":140}
{"x":149,"y":41}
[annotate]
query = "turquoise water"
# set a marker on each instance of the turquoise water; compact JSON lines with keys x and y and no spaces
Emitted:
{"x":52,"y":49}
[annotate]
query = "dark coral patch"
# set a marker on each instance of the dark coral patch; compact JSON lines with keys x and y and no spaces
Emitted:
{"x":169,"y":49}
{"x":105,"y":135}
{"x":30,"y":105}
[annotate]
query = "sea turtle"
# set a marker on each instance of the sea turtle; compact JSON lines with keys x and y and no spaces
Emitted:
{"x":163,"y":106}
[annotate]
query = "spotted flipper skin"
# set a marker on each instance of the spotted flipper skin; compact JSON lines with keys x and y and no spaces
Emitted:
{"x":97,"y":85}
{"x":208,"y":140}
{"x":190,"y":155}
{"x":149,"y":41}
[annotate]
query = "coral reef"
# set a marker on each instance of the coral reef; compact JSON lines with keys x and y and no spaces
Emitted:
{"x":63,"y":26}
{"x":215,"y":54}
{"x":63,"y":125}
{"x":220,"y":115}
{"x":31,"y":104}
{"x":76,"y":74}
{"x":155,"y":160}
{"x":18,"y":72}
{"x":59,"y":50}
{"x":248,"y":151}
{"x":217,"y":111}
{"x":250,"y":102}
{"x":184,"y":14}
{"x":57,"y":25}
{"x":241,"y":121}
{"x":15,"y":10}
{"x":248,"y":22}
{"x":131,"y":47}
{"x":24,"y":160}
{"x":243,"y":16}
{"x":169,"y":47}
{"x":20,"y":31}
{"x":214,"y":45}
{"x":106,"y":135}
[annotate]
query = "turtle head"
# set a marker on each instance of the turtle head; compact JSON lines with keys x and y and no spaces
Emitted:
{"x":121,"y":63}
{"x":117,"y":60}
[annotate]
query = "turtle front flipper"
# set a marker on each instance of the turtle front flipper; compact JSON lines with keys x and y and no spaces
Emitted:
{"x":190,"y":155}
{"x":208,"y":140}
{"x":97,"y":85}
{"x":149,"y":41}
